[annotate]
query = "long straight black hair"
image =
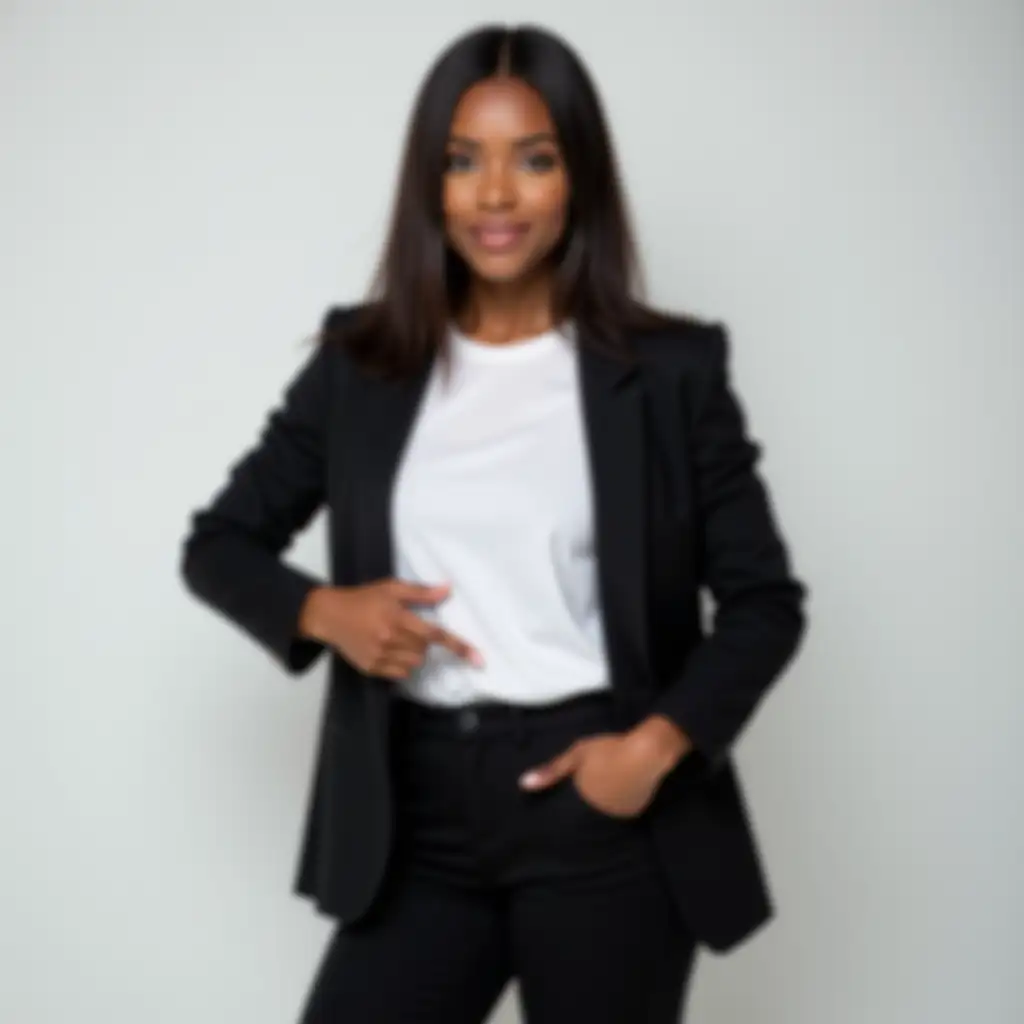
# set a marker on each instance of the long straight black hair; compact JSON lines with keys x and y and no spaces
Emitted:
{"x":420,"y":283}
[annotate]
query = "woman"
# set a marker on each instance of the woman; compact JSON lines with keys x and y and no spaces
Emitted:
{"x":524,"y":761}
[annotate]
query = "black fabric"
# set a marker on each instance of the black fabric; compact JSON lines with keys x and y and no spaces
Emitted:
{"x":680,"y":506}
{"x":490,"y":882}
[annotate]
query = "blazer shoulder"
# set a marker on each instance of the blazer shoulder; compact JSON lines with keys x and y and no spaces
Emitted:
{"x":337,"y":316}
{"x":685,"y":343}
{"x":328,"y":338}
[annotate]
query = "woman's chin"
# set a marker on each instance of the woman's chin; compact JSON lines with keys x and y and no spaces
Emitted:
{"x":500,"y":269}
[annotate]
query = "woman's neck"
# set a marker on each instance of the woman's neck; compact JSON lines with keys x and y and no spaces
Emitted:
{"x":503,"y":311}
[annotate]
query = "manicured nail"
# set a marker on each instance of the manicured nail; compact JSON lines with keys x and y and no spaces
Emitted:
{"x":530,"y":779}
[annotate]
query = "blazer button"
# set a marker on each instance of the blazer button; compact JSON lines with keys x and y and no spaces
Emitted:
{"x":468,"y":719}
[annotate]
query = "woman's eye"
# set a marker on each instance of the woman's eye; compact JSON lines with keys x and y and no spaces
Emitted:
{"x":455,"y":161}
{"x":542,"y":161}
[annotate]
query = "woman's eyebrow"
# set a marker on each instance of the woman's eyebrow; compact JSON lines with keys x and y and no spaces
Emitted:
{"x":526,"y":140}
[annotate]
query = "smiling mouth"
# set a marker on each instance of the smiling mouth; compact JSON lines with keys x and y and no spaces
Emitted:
{"x":499,"y":239}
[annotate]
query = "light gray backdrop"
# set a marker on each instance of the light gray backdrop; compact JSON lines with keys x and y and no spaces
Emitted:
{"x":186,"y":187}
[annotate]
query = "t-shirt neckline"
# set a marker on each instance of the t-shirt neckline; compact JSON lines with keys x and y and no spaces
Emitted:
{"x":522,"y":348}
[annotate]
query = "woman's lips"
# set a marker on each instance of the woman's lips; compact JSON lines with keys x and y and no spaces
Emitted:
{"x":499,"y":239}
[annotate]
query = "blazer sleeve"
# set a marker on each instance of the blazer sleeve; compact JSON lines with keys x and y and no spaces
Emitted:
{"x":759,"y":618}
{"x":231,"y":558}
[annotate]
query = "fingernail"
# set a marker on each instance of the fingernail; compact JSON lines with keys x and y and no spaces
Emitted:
{"x":530,"y":779}
{"x":477,"y":658}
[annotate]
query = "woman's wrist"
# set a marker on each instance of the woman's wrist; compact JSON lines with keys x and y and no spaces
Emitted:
{"x":662,"y":741}
{"x":310,"y":614}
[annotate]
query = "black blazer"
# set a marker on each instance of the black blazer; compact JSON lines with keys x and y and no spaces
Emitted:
{"x":678,"y":504}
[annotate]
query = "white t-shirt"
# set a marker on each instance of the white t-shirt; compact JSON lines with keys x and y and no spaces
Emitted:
{"x":492,"y":495}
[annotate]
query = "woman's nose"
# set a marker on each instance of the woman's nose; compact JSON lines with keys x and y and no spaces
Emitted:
{"x":496,"y":186}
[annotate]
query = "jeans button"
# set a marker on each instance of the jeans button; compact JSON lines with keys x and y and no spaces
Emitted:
{"x":468,"y":719}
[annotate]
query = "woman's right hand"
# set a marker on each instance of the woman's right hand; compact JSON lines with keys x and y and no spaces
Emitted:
{"x":372,"y":627}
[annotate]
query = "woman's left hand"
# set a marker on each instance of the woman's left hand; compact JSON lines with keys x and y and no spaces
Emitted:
{"x":618,"y":773}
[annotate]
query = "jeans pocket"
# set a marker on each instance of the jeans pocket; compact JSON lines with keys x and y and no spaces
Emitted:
{"x":588,"y":808}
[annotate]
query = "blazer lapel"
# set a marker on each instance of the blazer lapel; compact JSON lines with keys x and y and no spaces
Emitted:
{"x":381,"y":417}
{"x":613,"y":413}
{"x":379,"y":420}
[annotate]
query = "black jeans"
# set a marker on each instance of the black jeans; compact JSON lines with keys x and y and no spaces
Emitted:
{"x":491,"y":882}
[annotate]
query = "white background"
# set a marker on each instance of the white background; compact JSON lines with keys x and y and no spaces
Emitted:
{"x":185,"y":188}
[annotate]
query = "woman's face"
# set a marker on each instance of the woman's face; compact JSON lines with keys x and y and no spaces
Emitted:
{"x":506,"y":189}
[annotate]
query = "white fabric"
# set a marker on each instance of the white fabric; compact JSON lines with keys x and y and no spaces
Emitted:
{"x":493,"y":496}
